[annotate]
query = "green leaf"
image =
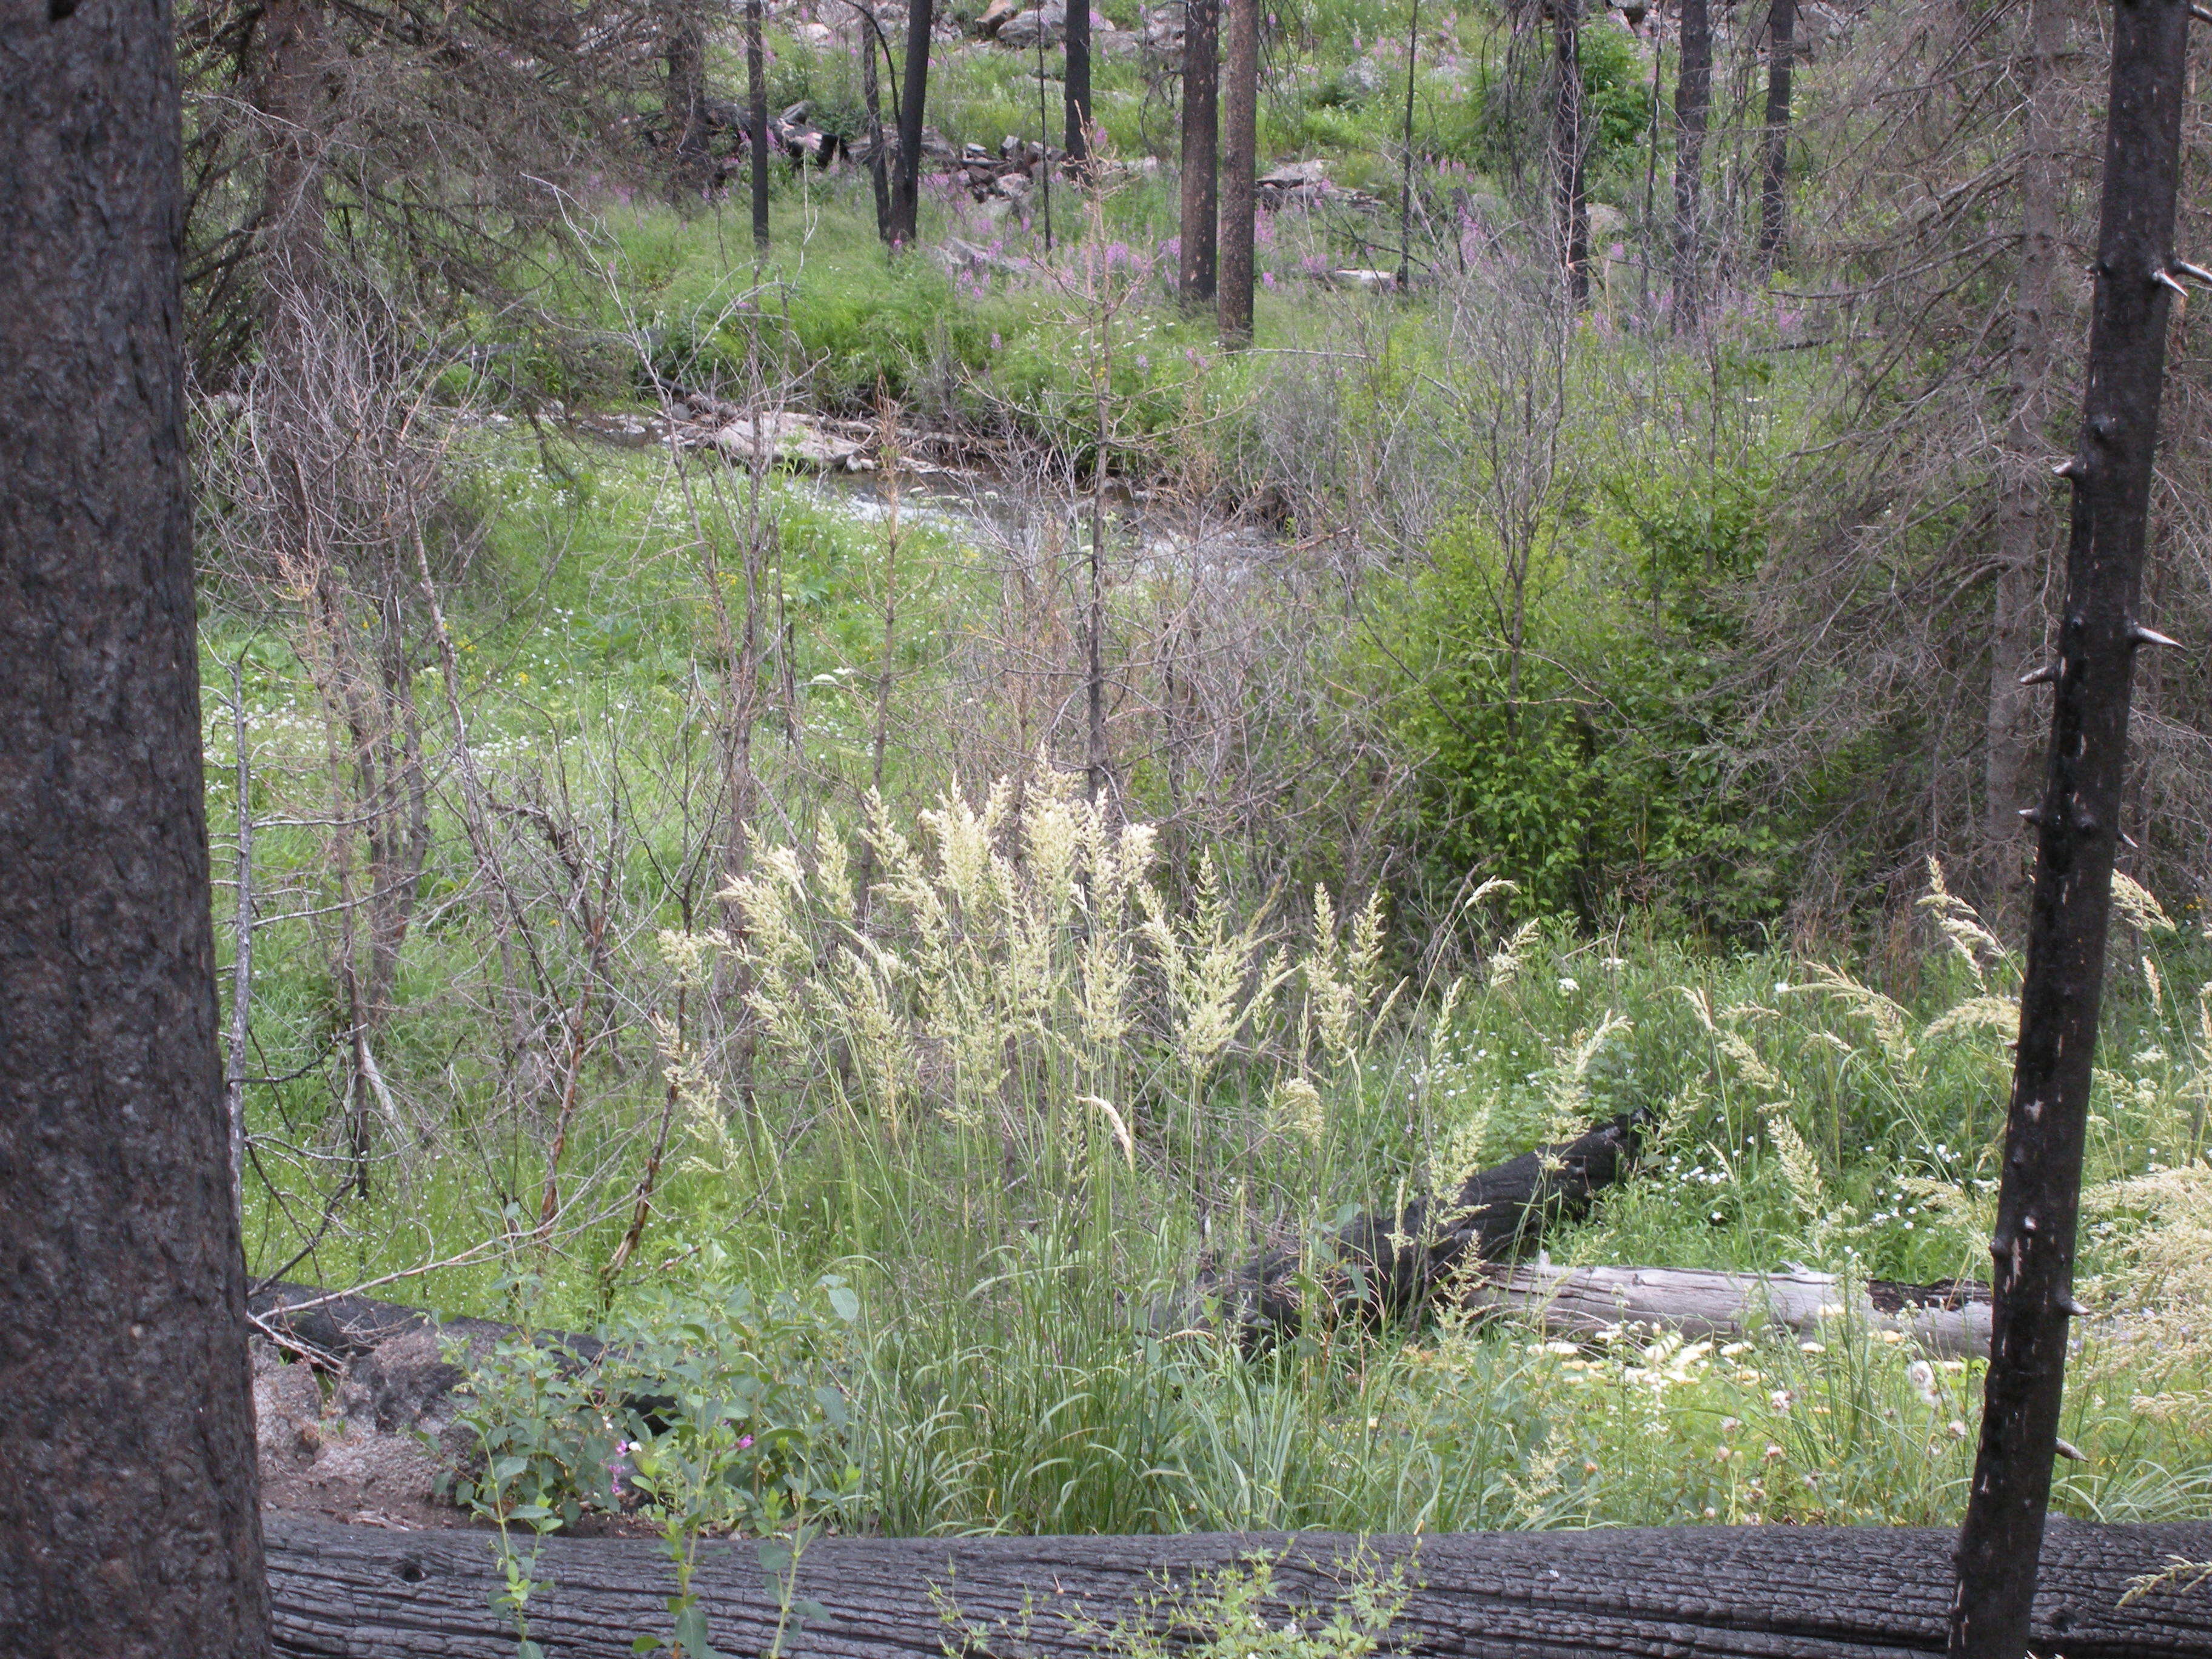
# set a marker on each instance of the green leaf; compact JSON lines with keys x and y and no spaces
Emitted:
{"x":845,"y":1301}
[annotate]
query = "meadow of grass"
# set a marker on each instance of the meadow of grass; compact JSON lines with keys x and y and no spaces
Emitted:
{"x":881,"y":1123}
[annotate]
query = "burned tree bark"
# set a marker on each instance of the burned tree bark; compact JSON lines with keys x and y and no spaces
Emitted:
{"x":1774,"y":168}
{"x":1725,"y":1592}
{"x":1568,"y":145}
{"x":1388,"y":1263}
{"x":2078,"y":825}
{"x":1201,"y":87}
{"x":129,"y":1511}
{"x":906,"y":193}
{"x":1076,"y":80}
{"x":757,"y":119}
{"x":1693,"y":100}
{"x":871,"y":41}
{"x":1240,"y":145}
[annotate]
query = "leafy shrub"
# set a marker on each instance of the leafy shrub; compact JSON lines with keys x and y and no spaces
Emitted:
{"x":1596,"y":761}
{"x":723,"y":1414}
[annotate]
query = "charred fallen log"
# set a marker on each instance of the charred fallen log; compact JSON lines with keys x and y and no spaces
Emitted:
{"x":1391,"y":1262}
{"x":1774,"y":1592}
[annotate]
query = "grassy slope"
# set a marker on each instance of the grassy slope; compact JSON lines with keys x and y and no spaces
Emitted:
{"x":999,"y":1379}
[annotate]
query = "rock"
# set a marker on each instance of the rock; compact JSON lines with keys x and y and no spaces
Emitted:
{"x":1365,"y":281}
{"x":789,"y":440}
{"x":996,"y":16}
{"x":817,"y":34}
{"x":1023,"y":31}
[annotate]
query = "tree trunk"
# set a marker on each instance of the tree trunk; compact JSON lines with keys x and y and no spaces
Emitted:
{"x":871,"y":101}
{"x":756,"y":119}
{"x":1693,"y":98}
{"x":1389,"y":1262}
{"x":1201,"y":87}
{"x":2078,"y":824}
{"x":1568,"y":141}
{"x":128,"y":1502}
{"x":1722,"y":1592}
{"x":906,"y":198}
{"x":1774,"y":171}
{"x":2023,"y":482}
{"x":284,"y":89}
{"x":684,"y":53}
{"x":1077,"y":80}
{"x":1240,"y":143}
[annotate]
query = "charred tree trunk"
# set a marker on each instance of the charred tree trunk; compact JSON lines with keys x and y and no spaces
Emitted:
{"x":1390,"y":1262}
{"x":129,"y":1503}
{"x":756,"y":119}
{"x":1721,"y":1592}
{"x":1774,"y":168}
{"x":1077,"y":80}
{"x":2078,"y":824}
{"x":1240,"y":143}
{"x":871,"y":41}
{"x":2023,"y":484}
{"x":1568,"y":143}
{"x":906,"y":196}
{"x":1201,"y":88}
{"x":1693,"y":101}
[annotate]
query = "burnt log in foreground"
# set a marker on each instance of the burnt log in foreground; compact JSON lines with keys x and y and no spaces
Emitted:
{"x":1773,"y":1592}
{"x":1391,"y":1262}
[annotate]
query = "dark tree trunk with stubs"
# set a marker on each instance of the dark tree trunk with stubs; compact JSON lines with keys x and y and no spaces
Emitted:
{"x":1076,"y":81}
{"x":1719,"y":1592}
{"x":1774,"y":162}
{"x":1201,"y":88}
{"x":1693,"y":101}
{"x":1568,"y":144}
{"x":1239,"y":144}
{"x":130,"y":1523}
{"x":757,"y":119}
{"x":906,"y":194}
{"x":2078,"y":826}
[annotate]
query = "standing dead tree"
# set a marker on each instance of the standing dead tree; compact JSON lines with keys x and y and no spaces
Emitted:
{"x":1693,"y":100}
{"x":1239,"y":159}
{"x":906,"y":193}
{"x":2077,"y":823}
{"x":1201,"y":87}
{"x":1774,"y":152}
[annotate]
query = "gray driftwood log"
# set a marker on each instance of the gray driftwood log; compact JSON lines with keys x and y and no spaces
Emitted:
{"x":1951,"y":1322}
{"x":1756,"y":1592}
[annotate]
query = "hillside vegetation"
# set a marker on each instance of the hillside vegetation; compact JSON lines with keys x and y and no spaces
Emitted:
{"x":869,"y":929}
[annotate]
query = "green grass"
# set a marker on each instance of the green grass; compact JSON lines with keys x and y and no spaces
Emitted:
{"x":1009,"y":1155}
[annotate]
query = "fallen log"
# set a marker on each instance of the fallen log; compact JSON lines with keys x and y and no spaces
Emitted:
{"x":1950,"y":1322}
{"x":1390,"y":1262}
{"x":341,"y":1592}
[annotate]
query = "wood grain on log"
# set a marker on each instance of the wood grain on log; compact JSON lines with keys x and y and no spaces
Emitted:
{"x":1583,"y":1301}
{"x":1758,"y":1592}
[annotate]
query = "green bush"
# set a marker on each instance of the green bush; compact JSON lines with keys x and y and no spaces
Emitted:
{"x":722,"y":1413}
{"x":1594,"y":763}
